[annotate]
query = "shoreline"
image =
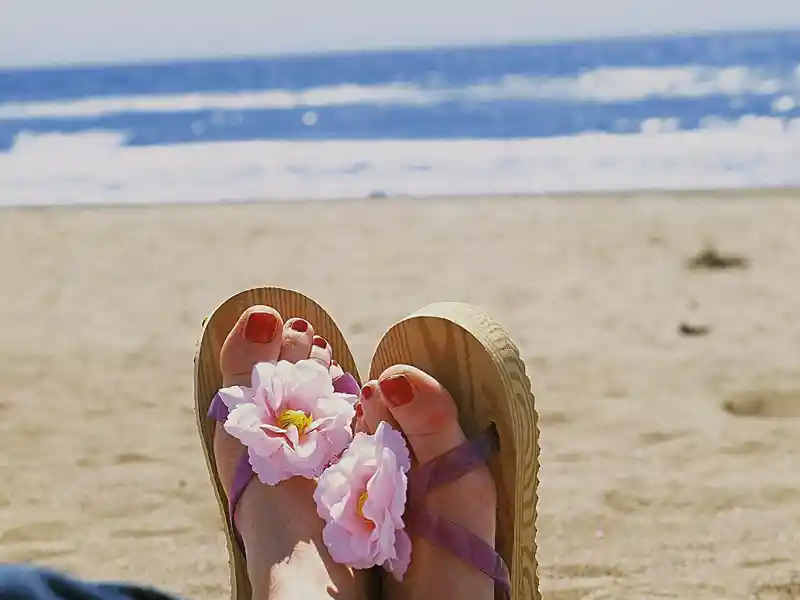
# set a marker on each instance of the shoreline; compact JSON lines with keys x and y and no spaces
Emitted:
{"x":769,"y":193}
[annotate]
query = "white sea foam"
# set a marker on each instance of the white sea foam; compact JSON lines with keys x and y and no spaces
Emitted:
{"x":96,"y":167}
{"x":599,"y":85}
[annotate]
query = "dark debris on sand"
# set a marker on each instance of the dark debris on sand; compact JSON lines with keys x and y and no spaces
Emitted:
{"x":710,"y":259}
{"x":766,"y":403}
{"x":688,"y":329}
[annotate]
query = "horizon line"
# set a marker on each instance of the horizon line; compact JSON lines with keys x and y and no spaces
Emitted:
{"x":388,"y":49}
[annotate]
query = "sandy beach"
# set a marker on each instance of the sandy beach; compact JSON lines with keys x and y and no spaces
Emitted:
{"x":669,"y":396}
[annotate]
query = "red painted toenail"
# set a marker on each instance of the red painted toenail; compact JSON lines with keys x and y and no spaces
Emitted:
{"x":359,"y":410}
{"x":260,"y":327}
{"x":366,"y":392}
{"x":300,"y":325}
{"x":397,"y":390}
{"x":334,"y":363}
{"x":319,"y":342}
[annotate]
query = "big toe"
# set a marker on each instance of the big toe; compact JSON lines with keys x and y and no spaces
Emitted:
{"x":422,"y":408}
{"x":255,"y":338}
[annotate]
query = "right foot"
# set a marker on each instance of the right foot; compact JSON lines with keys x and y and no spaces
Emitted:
{"x":416,"y":404}
{"x":279,"y":525}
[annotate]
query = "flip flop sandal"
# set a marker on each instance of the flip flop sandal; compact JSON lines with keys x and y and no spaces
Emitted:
{"x":209,"y":408}
{"x":474,"y":358}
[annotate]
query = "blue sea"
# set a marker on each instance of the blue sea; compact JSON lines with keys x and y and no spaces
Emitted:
{"x":691,"y":112}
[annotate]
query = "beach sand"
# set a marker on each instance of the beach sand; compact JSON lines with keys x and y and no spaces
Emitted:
{"x":670,"y":462}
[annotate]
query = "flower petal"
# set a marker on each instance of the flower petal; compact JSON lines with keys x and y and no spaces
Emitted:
{"x":268,"y":471}
{"x":398,"y":506}
{"x":244,"y":423}
{"x":264,"y":377}
{"x":305,"y":383}
{"x":292,"y":436}
{"x":399,"y":565}
{"x":339,"y":543}
{"x":332,"y":488}
{"x":390,"y":438}
{"x":351,"y":399}
{"x":311,"y":444}
{"x":235,"y":395}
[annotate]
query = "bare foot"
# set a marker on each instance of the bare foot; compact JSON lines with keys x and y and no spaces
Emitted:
{"x":424,"y":411}
{"x":279,"y":525}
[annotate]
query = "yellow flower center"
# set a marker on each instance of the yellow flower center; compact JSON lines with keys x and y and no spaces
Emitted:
{"x":295,"y":417}
{"x":361,"y":501}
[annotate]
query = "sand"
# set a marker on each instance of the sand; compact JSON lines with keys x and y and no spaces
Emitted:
{"x":670,"y":462}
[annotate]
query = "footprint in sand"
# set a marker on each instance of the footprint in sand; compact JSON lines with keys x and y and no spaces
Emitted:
{"x":789,"y":590}
{"x":764,"y":403}
{"x":168,"y":532}
{"x":41,"y":531}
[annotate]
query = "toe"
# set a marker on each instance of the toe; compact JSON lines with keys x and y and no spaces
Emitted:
{"x":255,"y":338}
{"x":297,"y":337}
{"x":336,"y":369}
{"x":321,"y":352}
{"x":360,"y":424}
{"x":374,"y":410}
{"x":423,"y":409}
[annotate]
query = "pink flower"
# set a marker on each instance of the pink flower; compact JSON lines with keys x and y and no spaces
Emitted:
{"x":362,"y":499}
{"x":291,"y":420}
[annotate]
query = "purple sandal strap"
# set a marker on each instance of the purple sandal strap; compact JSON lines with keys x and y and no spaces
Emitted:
{"x":346,"y":384}
{"x":462,"y":543}
{"x":452,"y":465}
{"x":241,"y":478}
{"x":218,"y":411}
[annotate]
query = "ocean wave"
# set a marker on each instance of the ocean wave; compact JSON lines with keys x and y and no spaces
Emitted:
{"x":597,"y":85}
{"x":97,"y":167}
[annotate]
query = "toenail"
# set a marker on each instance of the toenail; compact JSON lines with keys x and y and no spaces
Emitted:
{"x":260,"y":327}
{"x":319,"y":342}
{"x":300,"y":325}
{"x":397,"y":390}
{"x":367,"y":391}
{"x":334,"y":363}
{"x":359,"y":410}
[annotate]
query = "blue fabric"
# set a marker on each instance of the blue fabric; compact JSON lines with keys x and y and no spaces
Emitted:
{"x":29,"y":582}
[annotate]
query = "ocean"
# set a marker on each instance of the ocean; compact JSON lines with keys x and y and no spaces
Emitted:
{"x":711,"y":111}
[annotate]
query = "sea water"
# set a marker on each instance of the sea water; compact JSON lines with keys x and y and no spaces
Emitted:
{"x":706,"y":111}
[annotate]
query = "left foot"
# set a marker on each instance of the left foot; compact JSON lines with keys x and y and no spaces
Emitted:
{"x":282,"y":534}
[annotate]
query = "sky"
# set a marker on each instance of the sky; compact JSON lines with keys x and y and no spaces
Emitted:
{"x":102,"y":31}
